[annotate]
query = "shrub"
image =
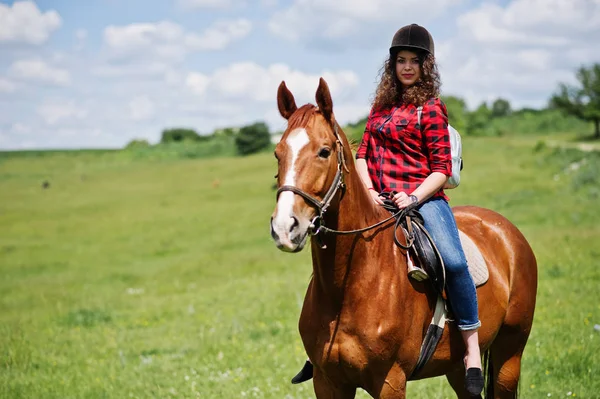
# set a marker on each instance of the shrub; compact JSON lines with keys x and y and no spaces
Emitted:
{"x":137,"y":143}
{"x":179,"y":135}
{"x":252,"y":138}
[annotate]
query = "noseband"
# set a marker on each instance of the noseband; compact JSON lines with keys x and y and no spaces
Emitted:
{"x":338,"y":183}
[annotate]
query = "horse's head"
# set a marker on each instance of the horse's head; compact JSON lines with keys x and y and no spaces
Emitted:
{"x":310,"y":160}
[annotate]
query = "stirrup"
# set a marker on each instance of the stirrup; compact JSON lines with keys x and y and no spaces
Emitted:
{"x":416,"y":273}
{"x":305,"y":374}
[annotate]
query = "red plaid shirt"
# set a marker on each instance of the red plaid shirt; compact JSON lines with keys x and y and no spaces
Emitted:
{"x":400,"y":154}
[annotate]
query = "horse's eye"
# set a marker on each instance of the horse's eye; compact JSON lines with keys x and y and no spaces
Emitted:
{"x":325,"y":152}
{"x":276,"y":176}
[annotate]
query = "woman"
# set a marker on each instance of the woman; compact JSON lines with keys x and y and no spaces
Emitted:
{"x":413,"y":162}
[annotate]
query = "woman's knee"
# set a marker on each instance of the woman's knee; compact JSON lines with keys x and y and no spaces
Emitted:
{"x":456,"y":268}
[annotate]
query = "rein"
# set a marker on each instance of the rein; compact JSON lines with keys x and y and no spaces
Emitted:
{"x":399,"y":216}
{"x":316,"y":225}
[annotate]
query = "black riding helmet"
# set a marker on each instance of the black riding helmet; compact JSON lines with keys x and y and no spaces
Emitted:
{"x":412,"y":37}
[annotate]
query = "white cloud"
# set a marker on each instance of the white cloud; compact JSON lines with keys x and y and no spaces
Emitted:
{"x":80,"y":38}
{"x":39,"y":71}
{"x":197,"y":82}
{"x":54,"y":111}
{"x":135,"y":69}
{"x":6,"y":86}
{"x":210,"y":3}
{"x":220,"y":35}
{"x":81,"y":34}
{"x":345,"y":21}
{"x":141,"y":108}
{"x":552,"y":23}
{"x":252,"y":82}
{"x":24,"y":22}
{"x":17,"y":136}
{"x":169,"y":41}
{"x":519,"y":51}
{"x":21,"y":128}
{"x":117,"y":112}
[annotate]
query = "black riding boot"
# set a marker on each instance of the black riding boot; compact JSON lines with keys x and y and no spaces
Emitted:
{"x":474,"y":381}
{"x":305,"y":374}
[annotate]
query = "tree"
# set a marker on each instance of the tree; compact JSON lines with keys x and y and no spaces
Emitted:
{"x":479,"y":121}
{"x":225,"y":132}
{"x":500,"y":107}
{"x":457,"y":112}
{"x":252,"y":138}
{"x":583,"y":100}
{"x":179,"y":135}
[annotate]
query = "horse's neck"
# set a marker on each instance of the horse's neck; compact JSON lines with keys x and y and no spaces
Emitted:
{"x":357,"y":209}
{"x":337,"y":266}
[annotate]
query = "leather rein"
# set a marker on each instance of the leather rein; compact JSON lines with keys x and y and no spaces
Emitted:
{"x":317,"y":226}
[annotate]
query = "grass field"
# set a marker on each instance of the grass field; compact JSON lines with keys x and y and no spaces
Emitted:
{"x":157,"y":278}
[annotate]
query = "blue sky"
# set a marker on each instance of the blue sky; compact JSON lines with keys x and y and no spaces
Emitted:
{"x":99,"y":73}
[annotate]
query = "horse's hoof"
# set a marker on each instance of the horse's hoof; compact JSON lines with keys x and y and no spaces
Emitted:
{"x":474,"y":381}
{"x":305,"y":374}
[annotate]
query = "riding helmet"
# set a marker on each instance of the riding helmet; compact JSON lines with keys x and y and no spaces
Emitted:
{"x":413,"y":37}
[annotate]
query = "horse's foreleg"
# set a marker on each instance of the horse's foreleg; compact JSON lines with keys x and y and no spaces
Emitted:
{"x":325,"y":389}
{"x":392,"y":391}
{"x":390,"y":385}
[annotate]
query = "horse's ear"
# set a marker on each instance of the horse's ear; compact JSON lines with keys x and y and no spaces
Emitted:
{"x":324,"y":101}
{"x":285,"y":101}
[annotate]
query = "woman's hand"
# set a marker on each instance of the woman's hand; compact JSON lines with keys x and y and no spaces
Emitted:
{"x":402,"y":200}
{"x":376,"y":197}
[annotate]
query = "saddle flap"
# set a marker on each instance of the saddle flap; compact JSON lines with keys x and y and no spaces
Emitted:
{"x":428,"y":256}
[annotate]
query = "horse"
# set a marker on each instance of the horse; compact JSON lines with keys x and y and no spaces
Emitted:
{"x":363,"y":320}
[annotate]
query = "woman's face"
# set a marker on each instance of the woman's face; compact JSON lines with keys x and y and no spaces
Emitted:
{"x":408,"y":69}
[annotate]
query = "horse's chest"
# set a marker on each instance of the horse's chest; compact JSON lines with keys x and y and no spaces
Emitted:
{"x":352,"y":347}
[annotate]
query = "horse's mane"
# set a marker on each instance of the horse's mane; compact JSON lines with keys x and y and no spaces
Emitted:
{"x":303,"y":115}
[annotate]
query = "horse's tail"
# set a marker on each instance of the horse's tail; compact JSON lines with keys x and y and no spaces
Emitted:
{"x":488,"y":369}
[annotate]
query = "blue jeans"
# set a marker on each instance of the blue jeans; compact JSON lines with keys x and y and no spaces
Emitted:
{"x":440,"y":223}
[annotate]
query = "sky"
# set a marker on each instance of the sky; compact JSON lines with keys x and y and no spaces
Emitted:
{"x":99,"y":73}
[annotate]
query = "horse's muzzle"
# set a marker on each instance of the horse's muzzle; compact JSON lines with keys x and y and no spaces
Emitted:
{"x":288,"y":234}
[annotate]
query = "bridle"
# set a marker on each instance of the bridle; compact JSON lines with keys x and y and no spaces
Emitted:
{"x":337,"y":184}
{"x":317,"y":226}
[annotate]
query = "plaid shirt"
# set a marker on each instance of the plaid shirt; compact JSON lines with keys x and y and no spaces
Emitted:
{"x":400,"y":154}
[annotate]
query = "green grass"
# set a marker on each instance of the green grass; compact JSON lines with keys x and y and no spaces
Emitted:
{"x":155,"y":278}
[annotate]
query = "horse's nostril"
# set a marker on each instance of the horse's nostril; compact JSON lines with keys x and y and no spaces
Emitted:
{"x":273,"y":233}
{"x":295,"y":224}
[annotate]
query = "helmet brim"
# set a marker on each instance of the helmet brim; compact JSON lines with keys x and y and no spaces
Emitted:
{"x":396,"y":49}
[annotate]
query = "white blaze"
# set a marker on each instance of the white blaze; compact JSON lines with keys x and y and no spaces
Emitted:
{"x":296,"y":140}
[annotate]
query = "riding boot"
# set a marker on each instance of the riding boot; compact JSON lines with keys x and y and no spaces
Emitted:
{"x":305,"y":374}
{"x":474,"y":381}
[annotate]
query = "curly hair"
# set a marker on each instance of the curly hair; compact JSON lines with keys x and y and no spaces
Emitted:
{"x":390,"y":93}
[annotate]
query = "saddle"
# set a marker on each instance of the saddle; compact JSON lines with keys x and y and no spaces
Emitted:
{"x":424,"y":250}
{"x":419,"y":244}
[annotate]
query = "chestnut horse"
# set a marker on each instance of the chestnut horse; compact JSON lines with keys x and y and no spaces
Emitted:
{"x":363,"y":320}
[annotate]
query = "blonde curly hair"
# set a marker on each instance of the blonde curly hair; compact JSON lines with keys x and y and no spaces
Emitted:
{"x":389,"y":92}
